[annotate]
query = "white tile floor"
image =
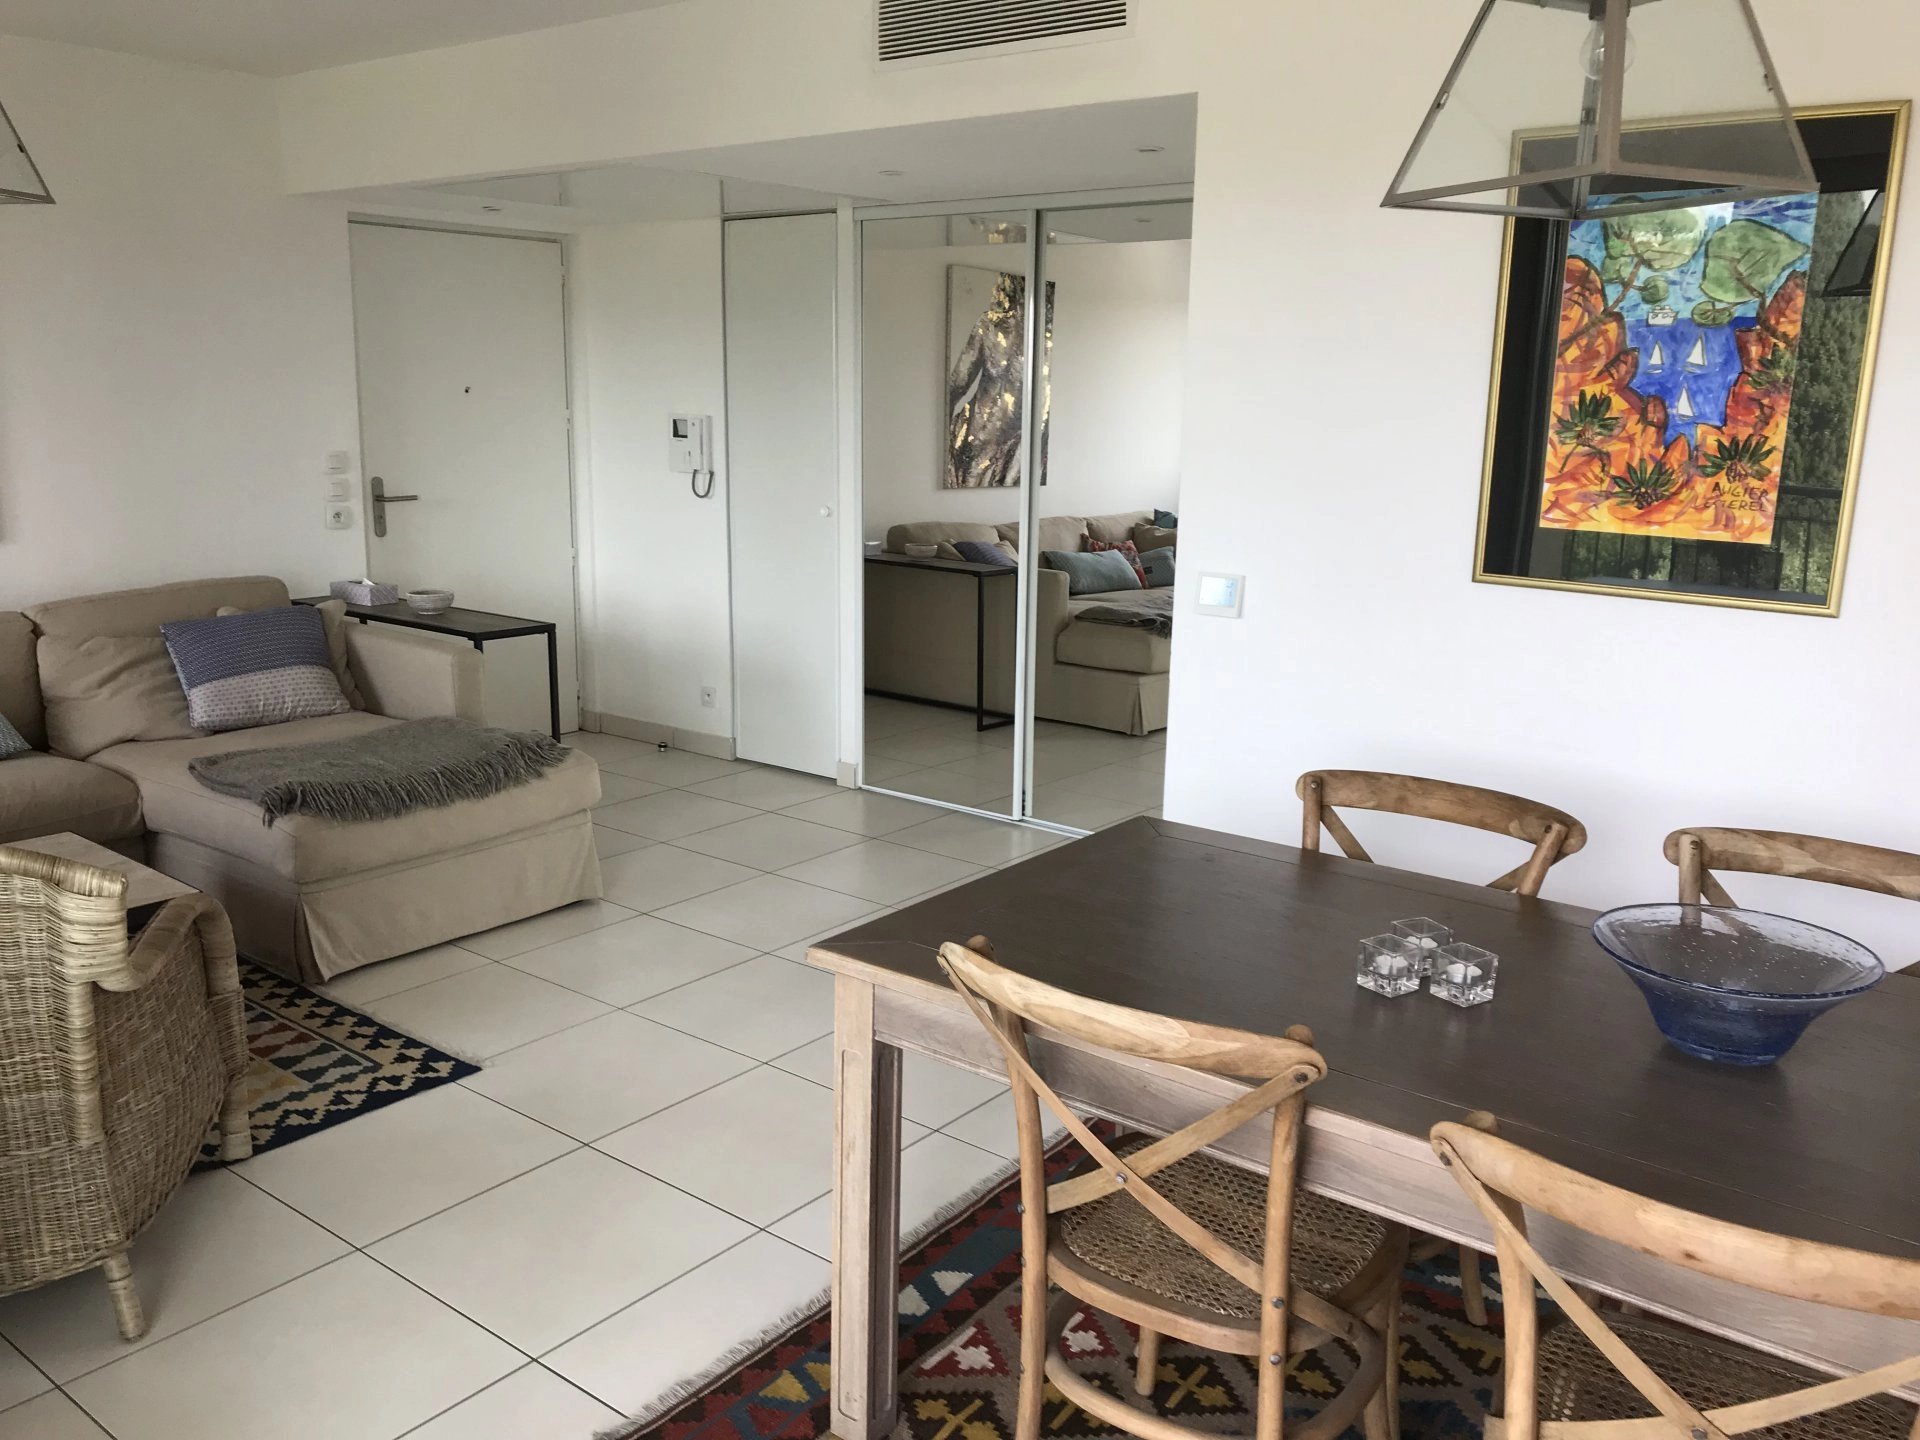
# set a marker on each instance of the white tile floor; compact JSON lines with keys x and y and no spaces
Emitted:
{"x":634,"y":1183}
{"x":1085,"y":778}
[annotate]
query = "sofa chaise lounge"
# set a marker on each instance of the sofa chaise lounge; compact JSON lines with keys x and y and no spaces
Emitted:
{"x":87,"y":682}
{"x":920,"y":631}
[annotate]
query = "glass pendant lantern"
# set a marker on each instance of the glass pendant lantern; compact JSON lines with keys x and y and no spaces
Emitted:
{"x":20,"y":182}
{"x":1577,"y":109}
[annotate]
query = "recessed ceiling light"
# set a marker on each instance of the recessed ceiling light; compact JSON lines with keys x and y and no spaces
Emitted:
{"x":893,"y":174}
{"x":491,"y":209}
{"x":1143,"y":219}
{"x":1151,"y":149}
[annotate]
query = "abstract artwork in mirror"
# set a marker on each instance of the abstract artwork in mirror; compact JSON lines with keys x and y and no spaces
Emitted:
{"x":1680,"y":397}
{"x":986,"y":358}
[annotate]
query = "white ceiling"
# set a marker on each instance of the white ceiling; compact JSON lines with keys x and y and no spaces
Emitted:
{"x":1093,"y":147}
{"x":284,"y":37}
{"x":1037,"y":152}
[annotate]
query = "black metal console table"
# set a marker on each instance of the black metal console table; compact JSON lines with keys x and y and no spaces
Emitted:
{"x":983,"y":718}
{"x":474,"y":626}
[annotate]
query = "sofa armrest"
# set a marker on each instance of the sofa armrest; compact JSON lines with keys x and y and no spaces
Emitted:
{"x":1050,"y":604}
{"x":410,"y":676}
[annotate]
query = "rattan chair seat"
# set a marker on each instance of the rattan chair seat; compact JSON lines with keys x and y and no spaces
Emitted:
{"x":1332,"y":1243}
{"x":1578,"y":1383}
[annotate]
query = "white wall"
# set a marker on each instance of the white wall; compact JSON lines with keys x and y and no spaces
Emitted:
{"x":654,"y":590}
{"x":1120,"y":324}
{"x":1350,"y":511}
{"x":1336,"y":404}
{"x":176,"y":336}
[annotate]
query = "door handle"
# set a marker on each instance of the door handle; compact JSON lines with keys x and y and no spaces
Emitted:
{"x":380,"y":502}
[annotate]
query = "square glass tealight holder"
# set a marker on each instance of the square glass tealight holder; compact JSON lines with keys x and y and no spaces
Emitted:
{"x":1389,"y":965}
{"x":1464,"y":974}
{"x":1426,"y":936}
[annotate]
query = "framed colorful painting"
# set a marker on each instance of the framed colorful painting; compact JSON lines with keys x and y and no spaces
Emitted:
{"x":1680,"y":399}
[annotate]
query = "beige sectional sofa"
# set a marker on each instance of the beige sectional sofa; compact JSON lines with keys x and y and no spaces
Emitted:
{"x":88,"y":683}
{"x":920,"y":631}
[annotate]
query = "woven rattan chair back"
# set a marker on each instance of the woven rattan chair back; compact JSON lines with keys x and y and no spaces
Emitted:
{"x":1552,"y":833}
{"x":1007,"y":1003}
{"x":1699,"y":852}
{"x":1503,"y":1181}
{"x":116,"y":1057}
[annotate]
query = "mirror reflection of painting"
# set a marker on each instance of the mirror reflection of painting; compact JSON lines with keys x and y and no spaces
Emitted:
{"x":986,"y":353}
{"x":1673,"y":385}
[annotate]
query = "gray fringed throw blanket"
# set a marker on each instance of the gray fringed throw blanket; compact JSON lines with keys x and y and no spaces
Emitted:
{"x":1152,"y":611}
{"x":416,"y":765}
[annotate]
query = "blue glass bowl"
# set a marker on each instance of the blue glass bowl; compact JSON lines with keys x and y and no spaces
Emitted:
{"x":1735,"y":986}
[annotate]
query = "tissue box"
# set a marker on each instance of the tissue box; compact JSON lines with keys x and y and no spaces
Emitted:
{"x":364,"y":592}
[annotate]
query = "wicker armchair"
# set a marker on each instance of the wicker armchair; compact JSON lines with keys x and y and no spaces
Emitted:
{"x":116,"y":1057}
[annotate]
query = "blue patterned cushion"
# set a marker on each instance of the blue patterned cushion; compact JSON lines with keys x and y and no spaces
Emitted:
{"x":1159,"y":567}
{"x":1096,"y":573}
{"x":982,"y":552}
{"x":262,"y":668}
{"x":10,"y":742}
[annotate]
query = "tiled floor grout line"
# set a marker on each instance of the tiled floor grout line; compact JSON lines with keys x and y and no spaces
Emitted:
{"x":310,"y":1270}
{"x":625,"y":1125}
{"x":725,"y":1250}
{"x":534,"y":1364}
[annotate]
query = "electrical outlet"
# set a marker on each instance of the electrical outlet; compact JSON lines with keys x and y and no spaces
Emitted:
{"x":339,"y":517}
{"x":709,"y":697}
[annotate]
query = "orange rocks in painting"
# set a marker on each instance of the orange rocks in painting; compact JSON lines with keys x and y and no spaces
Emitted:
{"x":1609,"y":463}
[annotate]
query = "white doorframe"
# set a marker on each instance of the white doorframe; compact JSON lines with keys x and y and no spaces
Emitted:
{"x":853,"y":490}
{"x":571,"y":363}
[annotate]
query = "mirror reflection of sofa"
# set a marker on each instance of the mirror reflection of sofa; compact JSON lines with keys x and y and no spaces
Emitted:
{"x":920,"y":627}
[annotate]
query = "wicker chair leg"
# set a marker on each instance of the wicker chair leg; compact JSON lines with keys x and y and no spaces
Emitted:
{"x":236,"y":1123}
{"x":1147,"y":1362}
{"x":126,"y":1298}
{"x":1472,"y":1291}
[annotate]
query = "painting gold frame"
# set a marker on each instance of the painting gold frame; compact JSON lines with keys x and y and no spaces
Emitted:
{"x":1901,"y":112}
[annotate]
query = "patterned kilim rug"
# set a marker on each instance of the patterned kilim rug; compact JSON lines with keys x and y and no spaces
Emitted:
{"x":959,"y":1356}
{"x":316,"y":1063}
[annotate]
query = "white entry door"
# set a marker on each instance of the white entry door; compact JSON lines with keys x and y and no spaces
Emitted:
{"x":782,"y":486}
{"x":463,"y":405}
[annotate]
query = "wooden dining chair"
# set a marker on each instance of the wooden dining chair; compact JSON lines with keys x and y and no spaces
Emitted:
{"x":1700,"y":851}
{"x":1614,"y":1376}
{"x":1552,"y":833}
{"x":1269,"y":1272}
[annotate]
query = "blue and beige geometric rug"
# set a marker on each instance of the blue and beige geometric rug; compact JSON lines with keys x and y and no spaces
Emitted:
{"x":316,"y":1063}
{"x":959,"y":1316}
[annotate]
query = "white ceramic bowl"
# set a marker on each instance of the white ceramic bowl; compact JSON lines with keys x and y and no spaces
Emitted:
{"x":428,"y":602}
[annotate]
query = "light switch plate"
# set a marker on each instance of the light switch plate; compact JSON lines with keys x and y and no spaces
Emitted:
{"x":337,"y":490}
{"x":339,"y":462}
{"x":1222,"y":595}
{"x":339,"y":517}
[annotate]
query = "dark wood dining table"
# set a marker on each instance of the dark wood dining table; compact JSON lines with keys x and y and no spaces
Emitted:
{"x":1171,"y":918}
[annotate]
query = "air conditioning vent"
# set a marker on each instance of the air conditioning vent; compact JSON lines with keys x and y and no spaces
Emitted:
{"x":924,"y":31}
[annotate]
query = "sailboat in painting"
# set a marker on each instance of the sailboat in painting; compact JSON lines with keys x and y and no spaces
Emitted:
{"x":1672,"y":383}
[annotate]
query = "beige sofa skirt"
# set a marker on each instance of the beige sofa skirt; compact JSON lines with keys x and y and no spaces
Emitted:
{"x":314,"y":931}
